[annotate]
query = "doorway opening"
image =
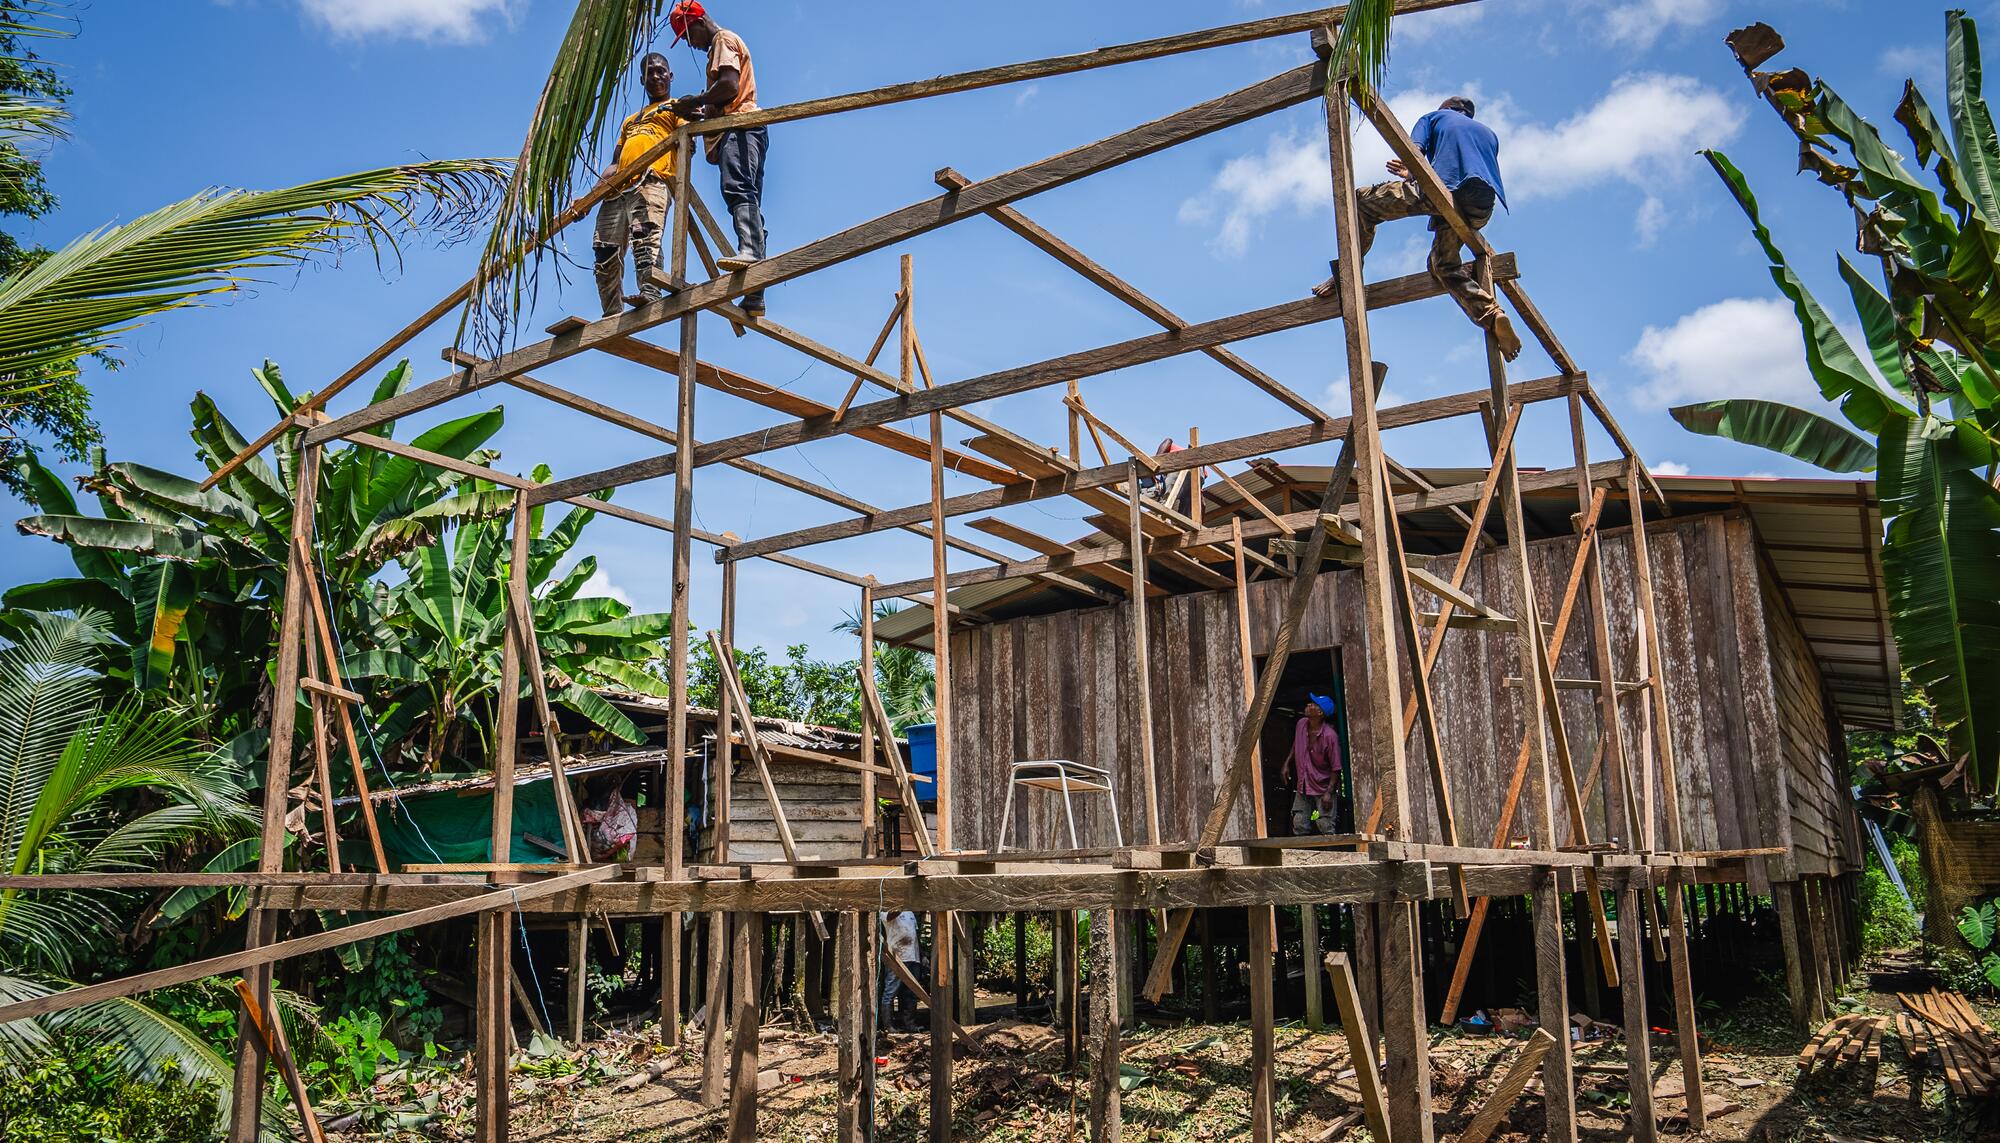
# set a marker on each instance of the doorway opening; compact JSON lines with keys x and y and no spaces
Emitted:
{"x":1307,"y":673}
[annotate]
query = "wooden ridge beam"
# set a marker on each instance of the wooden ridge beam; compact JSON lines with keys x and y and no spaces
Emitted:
{"x":1035,"y":542}
{"x":1253,"y":530}
{"x":1031,"y":70}
{"x":1239,"y":448}
{"x":1276,"y":94}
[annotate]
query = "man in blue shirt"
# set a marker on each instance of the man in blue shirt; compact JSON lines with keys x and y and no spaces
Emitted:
{"x":1466,"y":155}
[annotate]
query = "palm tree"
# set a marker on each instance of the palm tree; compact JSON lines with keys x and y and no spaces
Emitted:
{"x":904,"y":676}
{"x":76,"y":777}
{"x":72,"y":303}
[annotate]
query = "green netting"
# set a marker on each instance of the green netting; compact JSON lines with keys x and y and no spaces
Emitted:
{"x":459,"y":826}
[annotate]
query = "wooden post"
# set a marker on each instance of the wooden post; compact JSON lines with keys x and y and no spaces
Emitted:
{"x":1552,"y":991}
{"x":870,"y":844}
{"x":1617,"y":786}
{"x":1632,"y":993}
{"x":1142,"y":659}
{"x":251,"y":1058}
{"x":1309,"y":944}
{"x":1263,"y":1046}
{"x":748,"y":1023}
{"x":323,"y":773}
{"x":850,"y":1044}
{"x":507,"y":730}
{"x":1260,"y":826}
{"x":1402,"y":973}
{"x":674,"y":812}
{"x":942,"y":966}
{"x":714,"y":1077}
{"x":1068,"y":1014}
{"x":1511,"y":1086}
{"x":494,"y":1024}
{"x":271,"y":1030}
{"x":1360,"y":1044}
{"x":579,"y":975}
{"x":1104,"y":1023}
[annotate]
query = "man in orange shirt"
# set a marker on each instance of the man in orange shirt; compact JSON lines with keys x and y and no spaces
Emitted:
{"x":732,"y":89}
{"x":637,"y":216}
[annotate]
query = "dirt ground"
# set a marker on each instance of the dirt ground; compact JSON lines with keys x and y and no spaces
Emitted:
{"x":1190,"y":1083}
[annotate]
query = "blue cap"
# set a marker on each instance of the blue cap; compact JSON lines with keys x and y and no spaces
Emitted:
{"x":1324,"y":703}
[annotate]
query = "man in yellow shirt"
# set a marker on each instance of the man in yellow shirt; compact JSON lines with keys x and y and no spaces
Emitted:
{"x":732,"y":90}
{"x":637,"y":216}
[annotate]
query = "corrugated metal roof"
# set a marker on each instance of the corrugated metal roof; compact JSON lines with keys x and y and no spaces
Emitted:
{"x":1822,"y":539}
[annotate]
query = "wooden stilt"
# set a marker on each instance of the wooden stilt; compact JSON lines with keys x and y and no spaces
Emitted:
{"x":1632,"y":993}
{"x":747,"y":1026}
{"x":870,"y":843}
{"x":271,"y":1030}
{"x":852,"y":1002}
{"x":942,"y":965}
{"x":1310,"y":958}
{"x":1104,"y":1121}
{"x":1686,"y":1034}
{"x":1263,"y":1048}
{"x":1068,"y":1015}
{"x":579,"y":978}
{"x":714,"y":1059}
{"x":1552,"y":992}
{"x":490,"y":1050}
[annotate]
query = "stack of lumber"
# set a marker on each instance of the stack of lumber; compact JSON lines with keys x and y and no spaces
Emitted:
{"x":1843,"y":1041}
{"x":1940,"y":1025}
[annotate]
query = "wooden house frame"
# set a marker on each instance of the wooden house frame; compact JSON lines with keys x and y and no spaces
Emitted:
{"x":1413,"y":849}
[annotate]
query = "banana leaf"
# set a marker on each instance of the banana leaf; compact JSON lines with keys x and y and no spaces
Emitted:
{"x":164,"y":591}
{"x":606,"y":717}
{"x":187,"y":545}
{"x":1834,"y":365}
{"x":1798,"y":433}
{"x":390,"y":488}
{"x":1939,"y":563}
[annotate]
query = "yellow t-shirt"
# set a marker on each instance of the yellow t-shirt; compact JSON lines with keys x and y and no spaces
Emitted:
{"x":643,"y":130}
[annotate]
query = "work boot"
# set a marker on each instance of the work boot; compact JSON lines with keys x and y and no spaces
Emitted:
{"x":753,"y":304}
{"x":1503,"y":333}
{"x":741,"y":260}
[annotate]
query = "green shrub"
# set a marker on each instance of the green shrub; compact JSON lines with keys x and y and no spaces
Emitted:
{"x":82,"y":1093}
{"x":995,"y":959}
{"x":1886,"y":921}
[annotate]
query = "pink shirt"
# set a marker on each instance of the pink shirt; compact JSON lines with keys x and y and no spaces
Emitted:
{"x":1317,"y":757}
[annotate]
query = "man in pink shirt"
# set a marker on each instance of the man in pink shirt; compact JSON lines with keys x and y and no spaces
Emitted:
{"x":1315,"y":758}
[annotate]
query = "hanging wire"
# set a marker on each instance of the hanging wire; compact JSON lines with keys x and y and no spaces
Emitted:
{"x":535,"y":974}
{"x":367,"y":727}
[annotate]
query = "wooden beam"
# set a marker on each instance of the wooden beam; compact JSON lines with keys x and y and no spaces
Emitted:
{"x":507,"y":732}
{"x":673,"y":807}
{"x":1287,"y":90}
{"x":1632,"y":996}
{"x":1526,"y":1063}
{"x":746,"y":1027}
{"x":235,"y":962}
{"x":1124,"y":291}
{"x":1013,"y":533}
{"x":1278,"y":440}
{"x":271,"y":1031}
{"x":1142,"y":670}
{"x":1360,"y":1044}
{"x":1106,"y":1120}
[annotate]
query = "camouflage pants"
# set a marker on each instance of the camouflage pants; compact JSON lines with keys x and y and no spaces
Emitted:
{"x":1474,"y":199}
{"x":635,"y":218}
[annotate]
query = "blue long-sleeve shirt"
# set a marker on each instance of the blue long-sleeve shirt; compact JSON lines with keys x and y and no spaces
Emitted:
{"x":1460,"y":148}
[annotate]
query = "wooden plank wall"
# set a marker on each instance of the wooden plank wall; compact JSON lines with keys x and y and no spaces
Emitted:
{"x":1058,"y":686}
{"x":822,"y":803}
{"x":1825,"y":832}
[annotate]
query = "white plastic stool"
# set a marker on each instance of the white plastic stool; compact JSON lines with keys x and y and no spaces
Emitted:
{"x":1059,"y":775}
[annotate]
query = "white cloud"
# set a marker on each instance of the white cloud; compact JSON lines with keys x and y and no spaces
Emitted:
{"x":1418,"y":27}
{"x":1667,"y":468}
{"x":1292,"y":173}
{"x":459,"y":21}
{"x":1912,"y":61}
{"x":599,"y":584}
{"x":1641,"y":22}
{"x":1027,"y":95}
{"x":1643,"y":132}
{"x":1738,"y":347}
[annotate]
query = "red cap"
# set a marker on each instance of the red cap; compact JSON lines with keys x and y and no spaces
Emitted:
{"x":684,"y":14}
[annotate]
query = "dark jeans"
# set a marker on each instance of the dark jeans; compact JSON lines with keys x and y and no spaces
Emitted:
{"x":742,"y":162}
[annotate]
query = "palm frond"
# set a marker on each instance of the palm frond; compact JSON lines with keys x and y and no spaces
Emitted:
{"x":47,"y":693}
{"x":577,"y":101}
{"x":22,"y":1040}
{"x":1361,"y":51}
{"x":79,"y":298}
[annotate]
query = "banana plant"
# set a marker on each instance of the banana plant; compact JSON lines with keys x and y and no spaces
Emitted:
{"x":190,"y":578}
{"x":1922,"y":410}
{"x":447,"y":620}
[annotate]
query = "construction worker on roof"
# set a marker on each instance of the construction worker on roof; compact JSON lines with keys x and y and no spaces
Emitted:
{"x":732,"y":90}
{"x":1466,"y":155}
{"x":637,"y":216}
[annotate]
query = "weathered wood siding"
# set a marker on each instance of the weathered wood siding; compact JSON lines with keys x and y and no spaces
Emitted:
{"x":822,"y":804}
{"x":1826,"y":834}
{"x":1060,"y":686}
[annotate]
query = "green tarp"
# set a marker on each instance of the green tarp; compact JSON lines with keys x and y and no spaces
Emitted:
{"x":456,"y":827}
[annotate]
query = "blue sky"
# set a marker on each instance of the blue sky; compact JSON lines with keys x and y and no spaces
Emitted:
{"x":1626,"y":240}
